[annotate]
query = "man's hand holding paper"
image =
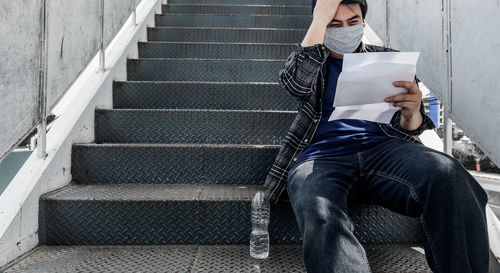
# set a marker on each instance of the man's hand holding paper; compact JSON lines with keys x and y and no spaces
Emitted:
{"x":410,"y":103}
{"x":367,"y":79}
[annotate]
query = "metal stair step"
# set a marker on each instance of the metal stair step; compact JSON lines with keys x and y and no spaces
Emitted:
{"x":215,"y":50}
{"x":201,"y":258}
{"x":236,"y":9}
{"x":111,"y":214}
{"x":244,"y":2}
{"x":243,"y":21}
{"x":214,"y":70}
{"x":240,"y":35}
{"x":172,"y":163}
{"x":201,"y":95}
{"x":192,"y":126}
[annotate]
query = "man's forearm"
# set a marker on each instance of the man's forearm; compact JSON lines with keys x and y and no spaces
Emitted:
{"x":315,"y":34}
{"x":323,"y":13}
{"x":412,"y":124}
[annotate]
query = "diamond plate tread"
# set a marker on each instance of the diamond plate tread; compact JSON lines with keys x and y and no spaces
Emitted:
{"x":215,"y":50}
{"x":236,"y":9}
{"x":156,"y":214}
{"x":202,"y":95}
{"x":212,"y":70}
{"x":205,"y":214}
{"x":244,"y":2}
{"x":172,"y":163}
{"x":154,"y":192}
{"x":239,"y":35}
{"x":243,"y":21}
{"x":199,"y":258}
{"x":192,"y":126}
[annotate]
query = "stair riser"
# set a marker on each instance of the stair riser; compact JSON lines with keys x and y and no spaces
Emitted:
{"x":171,"y":165}
{"x":235,"y":21}
{"x":69,"y":222}
{"x":225,"y":35}
{"x":179,"y":126}
{"x":215,"y":51}
{"x":232,"y":9}
{"x":203,"y":70}
{"x":244,"y":2}
{"x":154,"y":95}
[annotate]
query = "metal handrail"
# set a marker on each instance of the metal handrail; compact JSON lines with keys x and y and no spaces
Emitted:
{"x":102,"y":61}
{"x":42,"y":102}
{"x":448,"y":125}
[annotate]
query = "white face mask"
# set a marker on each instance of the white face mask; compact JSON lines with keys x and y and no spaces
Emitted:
{"x":343,"y":40}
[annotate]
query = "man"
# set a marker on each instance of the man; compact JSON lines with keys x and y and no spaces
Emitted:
{"x":323,"y":163}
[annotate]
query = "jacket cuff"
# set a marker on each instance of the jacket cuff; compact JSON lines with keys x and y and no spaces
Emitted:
{"x":317,"y":52}
{"x":427,"y":123}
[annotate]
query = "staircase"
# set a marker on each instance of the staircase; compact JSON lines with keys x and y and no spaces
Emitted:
{"x":193,"y":133}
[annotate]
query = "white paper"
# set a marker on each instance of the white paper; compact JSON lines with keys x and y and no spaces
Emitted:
{"x":378,"y":111}
{"x":355,"y":60}
{"x":366,"y":80}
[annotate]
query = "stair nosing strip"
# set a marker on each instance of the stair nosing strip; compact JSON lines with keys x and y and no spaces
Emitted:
{"x":237,"y":14}
{"x":236,"y":5}
{"x":232,"y":28}
{"x":215,"y":43}
{"x":181,"y":145}
{"x":196,"y":110}
{"x":207,"y":59}
{"x":201,"y":82}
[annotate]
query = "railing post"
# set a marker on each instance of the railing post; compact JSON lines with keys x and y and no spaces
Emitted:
{"x":447,"y":98}
{"x":42,"y":84}
{"x":134,"y":16}
{"x":387,"y":24}
{"x":102,"y":61}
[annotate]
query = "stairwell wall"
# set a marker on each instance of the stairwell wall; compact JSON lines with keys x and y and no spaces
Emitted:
{"x":73,"y":29}
{"x":475,"y":46}
{"x":75,"y":124}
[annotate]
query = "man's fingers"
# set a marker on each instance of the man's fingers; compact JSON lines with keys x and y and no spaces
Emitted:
{"x":402,"y":97}
{"x":405,"y":104}
{"x":412,"y":87}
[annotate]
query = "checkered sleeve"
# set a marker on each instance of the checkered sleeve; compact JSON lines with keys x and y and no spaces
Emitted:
{"x":301,"y":69}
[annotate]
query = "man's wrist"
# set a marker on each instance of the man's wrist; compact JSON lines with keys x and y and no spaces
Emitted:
{"x":413,"y":123}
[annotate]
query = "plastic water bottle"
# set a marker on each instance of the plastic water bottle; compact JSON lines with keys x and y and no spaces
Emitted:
{"x":259,"y":239}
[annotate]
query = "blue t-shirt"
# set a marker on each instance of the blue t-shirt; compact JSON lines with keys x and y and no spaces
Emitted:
{"x":340,"y":136}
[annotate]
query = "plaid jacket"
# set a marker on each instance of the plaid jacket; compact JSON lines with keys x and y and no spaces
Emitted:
{"x":303,"y":77}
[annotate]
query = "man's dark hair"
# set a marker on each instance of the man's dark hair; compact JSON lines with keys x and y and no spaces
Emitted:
{"x":362,"y":4}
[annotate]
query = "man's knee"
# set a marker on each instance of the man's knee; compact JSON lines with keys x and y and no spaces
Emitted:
{"x":320,"y":213}
{"x":449,"y":176}
{"x":438,"y":168}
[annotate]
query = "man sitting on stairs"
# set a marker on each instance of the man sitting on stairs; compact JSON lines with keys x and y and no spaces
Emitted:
{"x":325,"y":165}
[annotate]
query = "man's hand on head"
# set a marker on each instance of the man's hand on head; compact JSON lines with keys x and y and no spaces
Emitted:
{"x":411,"y":118}
{"x":324,"y":11}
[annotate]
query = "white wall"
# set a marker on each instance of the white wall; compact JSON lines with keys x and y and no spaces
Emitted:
{"x":19,"y":202}
{"x":417,"y":25}
{"x":19,"y":65}
{"x":73,"y":40}
{"x":476,"y":65}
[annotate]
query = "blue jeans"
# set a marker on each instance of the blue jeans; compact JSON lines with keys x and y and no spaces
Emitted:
{"x":407,"y":178}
